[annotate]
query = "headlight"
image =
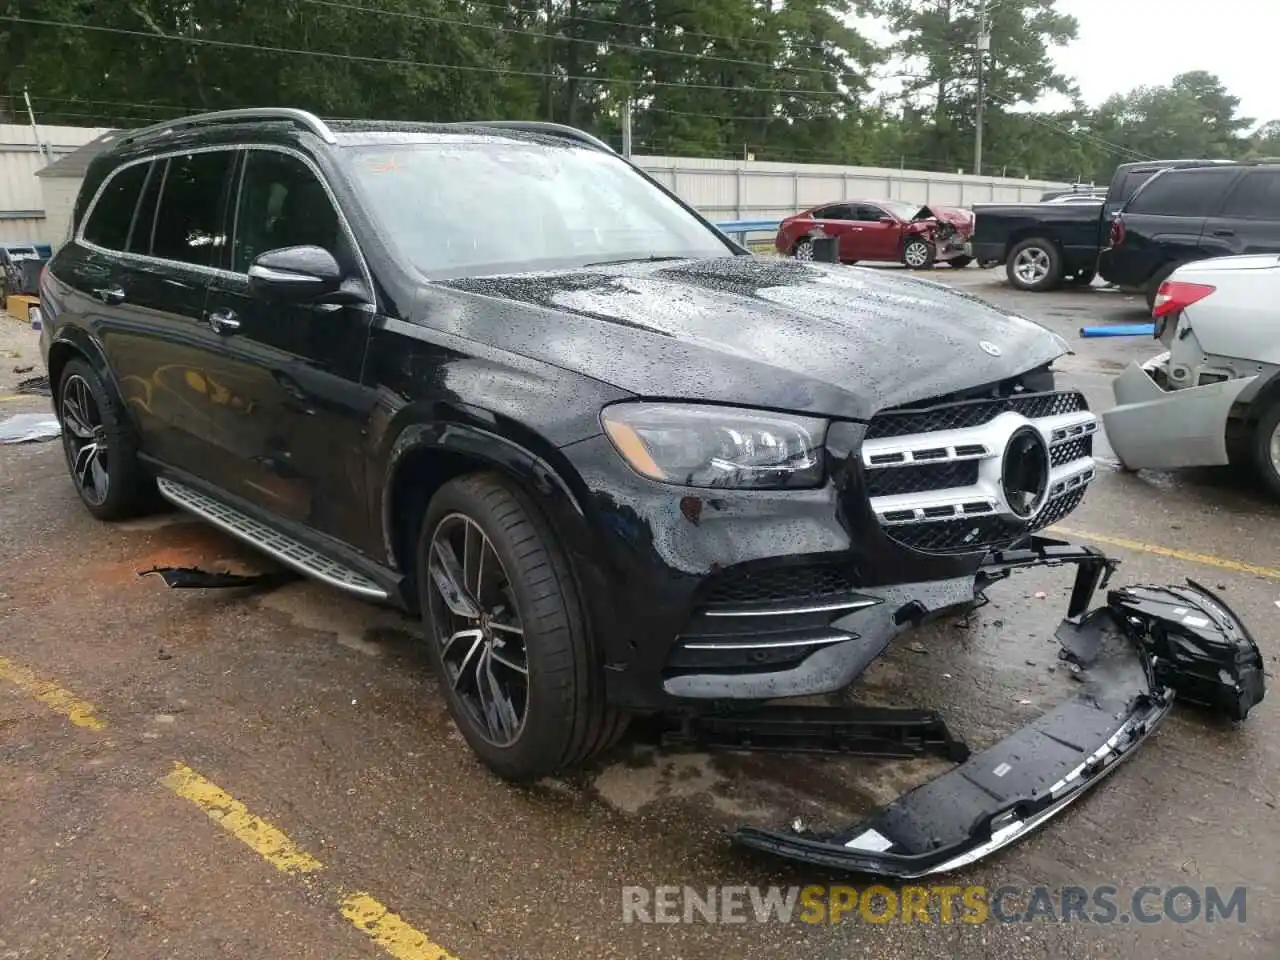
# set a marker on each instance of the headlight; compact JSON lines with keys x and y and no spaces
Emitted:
{"x":709,"y":446}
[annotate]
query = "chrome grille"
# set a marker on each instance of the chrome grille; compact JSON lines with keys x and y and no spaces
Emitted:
{"x":935,"y":475}
{"x":973,"y":413}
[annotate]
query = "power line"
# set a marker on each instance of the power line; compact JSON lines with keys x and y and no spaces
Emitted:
{"x":611,"y":44}
{"x":1034,"y":118}
{"x":404,"y":62}
{"x":41,"y":98}
{"x":506,"y":7}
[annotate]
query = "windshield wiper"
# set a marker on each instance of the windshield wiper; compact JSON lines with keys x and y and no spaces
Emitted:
{"x":609,"y":263}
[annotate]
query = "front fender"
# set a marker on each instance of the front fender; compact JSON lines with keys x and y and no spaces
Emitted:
{"x":537,"y":467}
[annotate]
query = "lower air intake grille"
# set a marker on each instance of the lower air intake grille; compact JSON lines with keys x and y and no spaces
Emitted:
{"x":797,"y":584}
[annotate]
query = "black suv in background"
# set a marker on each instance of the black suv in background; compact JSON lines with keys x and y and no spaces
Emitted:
{"x":495,"y":374}
{"x":1046,"y":244}
{"x":1183,"y":215}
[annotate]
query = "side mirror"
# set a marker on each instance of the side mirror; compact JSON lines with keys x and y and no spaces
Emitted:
{"x":295,"y":275}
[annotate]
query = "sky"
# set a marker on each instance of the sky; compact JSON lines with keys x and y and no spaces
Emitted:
{"x":1122,"y":44}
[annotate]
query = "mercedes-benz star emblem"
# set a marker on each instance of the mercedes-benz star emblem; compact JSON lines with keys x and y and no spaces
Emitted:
{"x":1025,"y":472}
{"x":990,"y":348}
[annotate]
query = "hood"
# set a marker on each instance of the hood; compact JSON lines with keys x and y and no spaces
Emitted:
{"x":956,"y":216}
{"x":808,"y":337}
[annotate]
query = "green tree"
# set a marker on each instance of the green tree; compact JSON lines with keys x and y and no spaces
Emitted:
{"x":1194,"y":117}
{"x":937,"y":51}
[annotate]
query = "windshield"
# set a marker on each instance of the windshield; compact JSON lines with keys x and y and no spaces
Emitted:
{"x":471,"y":208}
{"x":903,"y":211}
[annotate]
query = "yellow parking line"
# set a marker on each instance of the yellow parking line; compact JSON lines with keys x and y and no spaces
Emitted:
{"x":59,"y":700}
{"x":234,"y":817}
{"x":386,"y":929}
{"x":1208,"y":559}
{"x":390,"y":932}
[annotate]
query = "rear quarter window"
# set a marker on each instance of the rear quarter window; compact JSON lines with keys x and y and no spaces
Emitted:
{"x":1183,"y":193}
{"x":111,"y":217}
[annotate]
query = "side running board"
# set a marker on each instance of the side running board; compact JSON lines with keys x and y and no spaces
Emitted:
{"x":270,"y":541}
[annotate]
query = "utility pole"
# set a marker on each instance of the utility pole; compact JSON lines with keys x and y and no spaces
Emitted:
{"x":984,"y":44}
{"x":626,"y":126}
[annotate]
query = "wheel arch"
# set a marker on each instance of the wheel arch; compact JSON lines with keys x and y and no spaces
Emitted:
{"x":1030,"y":233}
{"x":426,"y":454}
{"x":73,"y":342}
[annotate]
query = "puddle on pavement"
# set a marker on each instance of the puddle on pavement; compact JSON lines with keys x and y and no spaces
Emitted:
{"x":364,"y":627}
{"x":183,"y":542}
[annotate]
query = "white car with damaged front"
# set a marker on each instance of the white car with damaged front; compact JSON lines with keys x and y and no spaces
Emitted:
{"x":1214,"y":396}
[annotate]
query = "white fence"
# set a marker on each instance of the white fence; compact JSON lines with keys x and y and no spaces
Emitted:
{"x":719,"y":189}
{"x":747,"y":190}
{"x":21,"y":204}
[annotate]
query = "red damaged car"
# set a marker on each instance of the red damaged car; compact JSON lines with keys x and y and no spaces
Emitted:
{"x":882,"y":230}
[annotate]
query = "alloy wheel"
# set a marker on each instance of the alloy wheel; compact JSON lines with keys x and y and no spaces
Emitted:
{"x":1031,"y":265}
{"x":479,"y":630}
{"x":1274,"y":449}
{"x":804,"y":250}
{"x":85,"y":440}
{"x":916,"y":255}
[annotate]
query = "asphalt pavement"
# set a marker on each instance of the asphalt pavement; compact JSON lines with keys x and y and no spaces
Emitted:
{"x":205,"y":774}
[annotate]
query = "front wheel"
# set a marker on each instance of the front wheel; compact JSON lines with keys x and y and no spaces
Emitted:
{"x":508,"y":632}
{"x":803,"y":250}
{"x":917,"y":255}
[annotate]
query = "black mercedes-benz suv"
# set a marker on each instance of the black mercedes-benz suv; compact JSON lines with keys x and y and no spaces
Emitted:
{"x":496,"y":374}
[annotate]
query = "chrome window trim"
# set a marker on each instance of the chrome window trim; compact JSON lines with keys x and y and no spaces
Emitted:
{"x":243,"y":148}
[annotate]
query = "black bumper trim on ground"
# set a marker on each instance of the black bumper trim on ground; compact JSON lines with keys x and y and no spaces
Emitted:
{"x":1132,"y":657}
{"x":902,"y":841}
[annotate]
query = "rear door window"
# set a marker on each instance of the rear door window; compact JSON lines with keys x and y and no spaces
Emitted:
{"x":837,"y":211}
{"x":1183,"y":193}
{"x":112,"y":215}
{"x":1255,"y":197}
{"x":189,"y":222}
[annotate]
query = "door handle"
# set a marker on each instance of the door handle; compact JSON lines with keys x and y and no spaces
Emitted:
{"x":1224,"y":233}
{"x":224,"y":322}
{"x":110,"y":295}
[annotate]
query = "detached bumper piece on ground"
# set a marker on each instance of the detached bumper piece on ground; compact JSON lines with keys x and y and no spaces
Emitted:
{"x":1133,"y":656}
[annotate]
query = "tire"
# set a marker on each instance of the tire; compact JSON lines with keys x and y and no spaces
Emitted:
{"x":1083,"y":278}
{"x":803,"y":250}
{"x":565,"y":720}
{"x":1035,"y":265}
{"x":1264,"y":462}
{"x":1153,"y":285}
{"x":959,"y":263}
{"x":100,"y":446}
{"x":918,"y":254}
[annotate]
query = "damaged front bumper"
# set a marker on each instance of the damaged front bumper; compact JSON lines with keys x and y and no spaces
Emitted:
{"x":1133,"y":656}
{"x":1154,"y":428}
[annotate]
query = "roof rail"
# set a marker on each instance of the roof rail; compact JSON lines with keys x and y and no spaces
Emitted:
{"x":302,"y":118}
{"x":550,"y":129}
